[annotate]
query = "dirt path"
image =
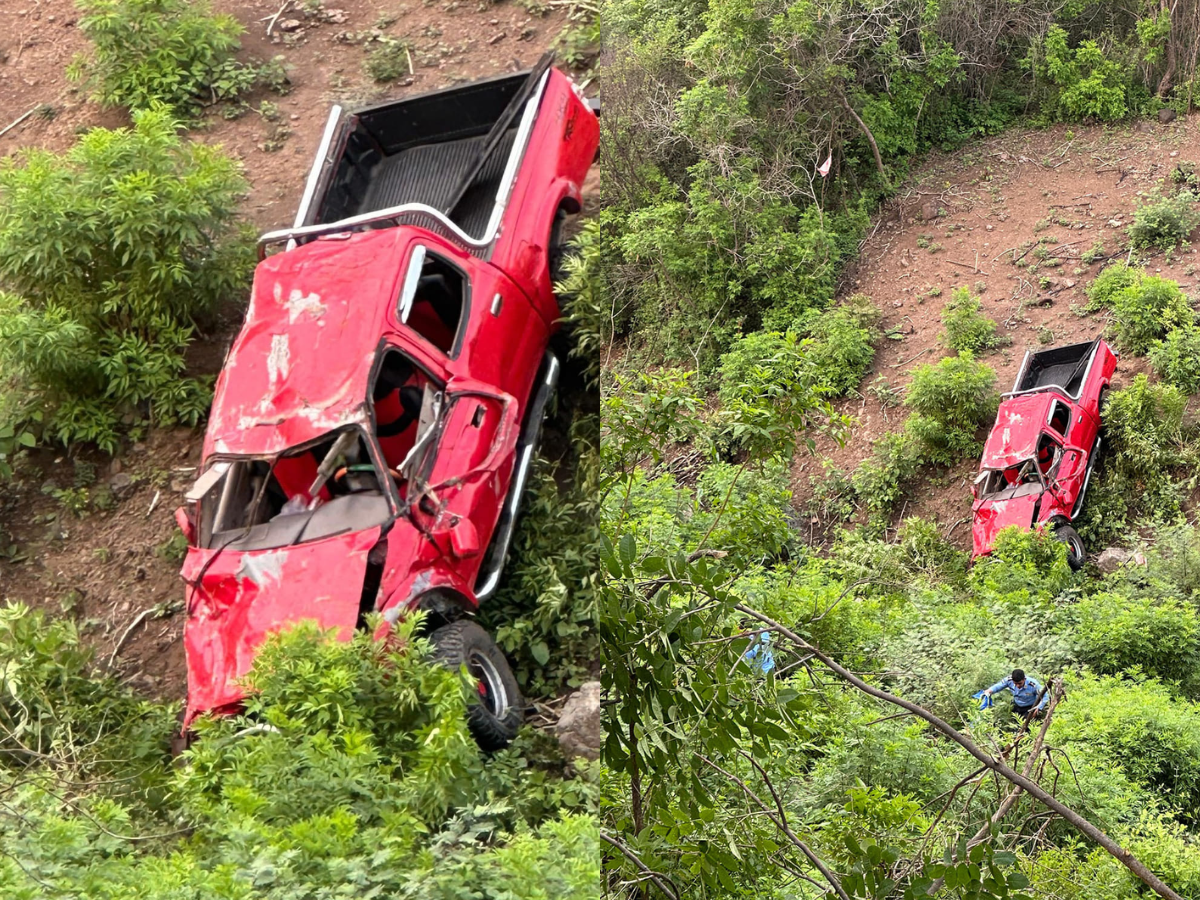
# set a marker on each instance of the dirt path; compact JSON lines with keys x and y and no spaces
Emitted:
{"x":109,"y":567}
{"x":961,"y":220}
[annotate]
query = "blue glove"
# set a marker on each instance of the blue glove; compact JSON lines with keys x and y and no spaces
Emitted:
{"x":984,"y":698}
{"x":759,"y":654}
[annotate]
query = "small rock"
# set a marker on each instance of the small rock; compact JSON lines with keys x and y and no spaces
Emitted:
{"x":178,"y":485}
{"x":336,"y":16}
{"x":138,"y":448}
{"x":929,"y":211}
{"x":1165,"y":116}
{"x":897,"y":303}
{"x":1115,"y":223}
{"x":1138,"y":558}
{"x":289,"y":25}
{"x":114,"y":467}
{"x":578,"y":729}
{"x":120,"y":483}
{"x":989,"y":228}
{"x":497,"y":37}
{"x":1112,"y":559}
{"x":1174,"y":153}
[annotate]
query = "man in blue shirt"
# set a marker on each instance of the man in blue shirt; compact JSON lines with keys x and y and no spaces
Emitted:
{"x":1025,"y":693}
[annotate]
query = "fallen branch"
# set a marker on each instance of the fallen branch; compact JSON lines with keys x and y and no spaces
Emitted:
{"x":659,"y":880}
{"x":12,"y":125}
{"x":1034,"y":789}
{"x":138,"y":620}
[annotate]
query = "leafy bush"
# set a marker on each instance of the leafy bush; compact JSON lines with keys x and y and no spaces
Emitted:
{"x":1165,"y":223}
{"x":1176,"y":358}
{"x":950,"y":401}
{"x":1145,"y":427}
{"x":881,"y":479}
{"x":174,"y":52}
{"x":965,"y":328}
{"x":114,"y":249}
{"x":843,"y":343}
{"x":1135,"y":725}
{"x":1087,"y":82}
{"x":1117,"y":633}
{"x":1145,"y":307}
{"x":370,"y":778}
{"x":389,"y":60}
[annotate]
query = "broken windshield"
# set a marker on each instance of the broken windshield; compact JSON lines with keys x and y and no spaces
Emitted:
{"x":321,"y":489}
{"x":1004,"y":484}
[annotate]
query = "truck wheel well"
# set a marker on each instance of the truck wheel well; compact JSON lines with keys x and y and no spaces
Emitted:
{"x":441,"y":607}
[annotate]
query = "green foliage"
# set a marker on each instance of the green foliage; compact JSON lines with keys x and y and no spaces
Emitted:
{"x":114,"y":249}
{"x":843,"y":343}
{"x":1176,"y":358}
{"x":367,"y":776}
{"x":389,"y":60}
{"x":1086,"y":82}
{"x":950,"y":401}
{"x":171,"y":52}
{"x":1164,"y":223}
{"x":1145,"y":307}
{"x":1144,"y":424}
{"x":1118,"y":633}
{"x":965,"y":328}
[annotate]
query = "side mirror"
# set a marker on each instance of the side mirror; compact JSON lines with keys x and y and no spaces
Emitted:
{"x":184,"y":521}
{"x":464,"y":539}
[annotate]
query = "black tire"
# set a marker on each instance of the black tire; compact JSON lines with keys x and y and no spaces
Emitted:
{"x":1076,"y":554}
{"x":496,"y":716}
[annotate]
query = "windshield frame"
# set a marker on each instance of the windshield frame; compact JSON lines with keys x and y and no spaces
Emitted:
{"x":1010,"y":492}
{"x":390,"y":492}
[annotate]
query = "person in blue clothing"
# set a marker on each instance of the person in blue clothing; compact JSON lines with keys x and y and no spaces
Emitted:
{"x":1025,"y":693}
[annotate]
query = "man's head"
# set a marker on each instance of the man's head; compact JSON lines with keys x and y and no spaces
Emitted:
{"x":1018,"y":677}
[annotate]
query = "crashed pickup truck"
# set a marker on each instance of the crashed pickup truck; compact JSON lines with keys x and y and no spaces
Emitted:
{"x":376,"y":417}
{"x":1039,"y":457}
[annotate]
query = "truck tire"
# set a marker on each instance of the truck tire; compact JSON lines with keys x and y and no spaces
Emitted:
{"x":495,"y":714}
{"x":1076,"y":555}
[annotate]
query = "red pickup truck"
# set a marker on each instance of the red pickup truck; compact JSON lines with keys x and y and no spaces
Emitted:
{"x":375,"y":419}
{"x":1039,"y":457}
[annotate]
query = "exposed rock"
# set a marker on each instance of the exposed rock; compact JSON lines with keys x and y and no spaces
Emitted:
{"x":1166,"y":116}
{"x":1112,"y":559}
{"x":336,"y":16}
{"x":578,"y":729}
{"x":929,"y":211}
{"x":114,"y":467}
{"x":121,"y":483}
{"x":290,"y":25}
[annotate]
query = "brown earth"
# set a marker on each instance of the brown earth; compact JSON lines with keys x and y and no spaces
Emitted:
{"x":961,"y":220}
{"x":114,"y":571}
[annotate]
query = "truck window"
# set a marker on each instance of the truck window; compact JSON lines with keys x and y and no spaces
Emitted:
{"x":433,"y":299}
{"x":1060,"y":417}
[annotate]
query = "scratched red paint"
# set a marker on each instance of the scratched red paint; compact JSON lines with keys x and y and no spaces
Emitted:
{"x":321,"y":317}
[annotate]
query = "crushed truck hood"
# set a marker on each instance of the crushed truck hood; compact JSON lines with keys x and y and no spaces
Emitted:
{"x":236,"y":598}
{"x":993,"y":515}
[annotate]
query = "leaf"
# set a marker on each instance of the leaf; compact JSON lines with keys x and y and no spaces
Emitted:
{"x":540,"y":652}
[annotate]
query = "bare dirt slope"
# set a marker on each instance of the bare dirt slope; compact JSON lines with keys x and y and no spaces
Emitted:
{"x":962,"y":220}
{"x":116,"y":571}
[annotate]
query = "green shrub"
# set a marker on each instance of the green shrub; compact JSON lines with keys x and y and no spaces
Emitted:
{"x":175,"y":52}
{"x":881,"y":479}
{"x":965,"y":328}
{"x":1165,"y":223}
{"x":950,"y":401}
{"x":1144,"y":423}
{"x":1137,"y":726}
{"x":1116,"y":633}
{"x":1087,"y":83}
{"x":1176,"y":358}
{"x":1145,"y":307}
{"x":389,"y":60}
{"x":114,"y":249}
{"x":843,"y":343}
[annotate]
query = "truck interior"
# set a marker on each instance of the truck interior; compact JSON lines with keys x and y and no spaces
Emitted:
{"x":447,"y":150}
{"x":315,"y":491}
{"x":433,"y":299}
{"x":407,"y":402}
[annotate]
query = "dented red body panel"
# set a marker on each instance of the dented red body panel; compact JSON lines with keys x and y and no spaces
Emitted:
{"x":321,"y":318}
{"x":1039,"y":454}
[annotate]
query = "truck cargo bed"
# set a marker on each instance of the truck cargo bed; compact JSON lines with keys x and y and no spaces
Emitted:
{"x":1063,"y":367}
{"x":430,"y":173}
